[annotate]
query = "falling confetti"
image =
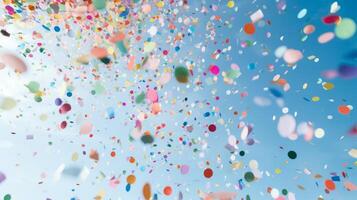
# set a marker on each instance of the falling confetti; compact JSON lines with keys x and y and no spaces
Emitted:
{"x":211,"y":100}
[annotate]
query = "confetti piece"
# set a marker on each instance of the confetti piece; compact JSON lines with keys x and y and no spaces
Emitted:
{"x":181,"y":74}
{"x":13,"y":61}
{"x":302,"y":13}
{"x":345,"y":29}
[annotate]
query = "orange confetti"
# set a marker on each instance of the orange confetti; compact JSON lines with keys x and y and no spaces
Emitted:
{"x":147,"y":191}
{"x":131,"y":179}
{"x":249,"y":28}
{"x":99,"y":52}
{"x":330,"y":185}
{"x":94,"y":155}
{"x":132,"y":159}
{"x":344,"y":110}
{"x":167,"y":190}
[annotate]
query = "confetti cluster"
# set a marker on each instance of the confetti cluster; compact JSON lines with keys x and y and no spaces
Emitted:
{"x":178,"y":99}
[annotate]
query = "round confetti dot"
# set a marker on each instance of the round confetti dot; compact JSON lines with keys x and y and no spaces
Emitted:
{"x":167,"y":191}
{"x":7,"y":197}
{"x":65,"y":108}
{"x":308,"y":29}
{"x":345,"y":29}
{"x":330,"y":185}
{"x":208,"y":173}
{"x":212,"y":128}
{"x":147,"y":139}
{"x":284,"y":191}
{"x":344,"y":110}
{"x":182,"y":74}
{"x":185,"y":169}
{"x":214,"y":69}
{"x":31,"y":7}
{"x":253,"y":164}
{"x":230,"y":4}
{"x":241,"y":153}
{"x":319,"y":133}
{"x":131,"y":159}
{"x":292,"y":155}
{"x":285,"y":110}
{"x":57,"y":28}
{"x":63,"y":125}
{"x":58,"y":101}
{"x":131,"y":179}
{"x":249,"y":176}
{"x":328,"y":86}
{"x":249,"y":28}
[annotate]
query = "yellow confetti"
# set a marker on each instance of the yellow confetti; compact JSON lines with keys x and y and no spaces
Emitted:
{"x":160,"y":4}
{"x":230,"y":4}
{"x":328,"y":86}
{"x":315,"y":98}
{"x":75,"y":156}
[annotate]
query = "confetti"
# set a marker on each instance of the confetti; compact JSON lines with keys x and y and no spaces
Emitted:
{"x":211,"y":100}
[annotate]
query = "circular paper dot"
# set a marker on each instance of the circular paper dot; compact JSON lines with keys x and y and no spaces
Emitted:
{"x":167,"y":191}
{"x":249,"y":176}
{"x":284,"y":191}
{"x":214,"y":69}
{"x":131,"y":179}
{"x":7,"y":197}
{"x":319,"y":133}
{"x":241,"y":153}
{"x":292,"y":154}
{"x":208,"y":173}
{"x":345,"y":29}
{"x":58,"y":101}
{"x":253,"y":164}
{"x":308,"y":29}
{"x":65,"y":108}
{"x":212,"y":128}
{"x":249,"y":28}
{"x":63,"y":124}
{"x":57,"y":28}
{"x":230,"y":4}
{"x":181,"y":74}
{"x":344,"y":110}
{"x":330,"y":185}
{"x":185,"y":169}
